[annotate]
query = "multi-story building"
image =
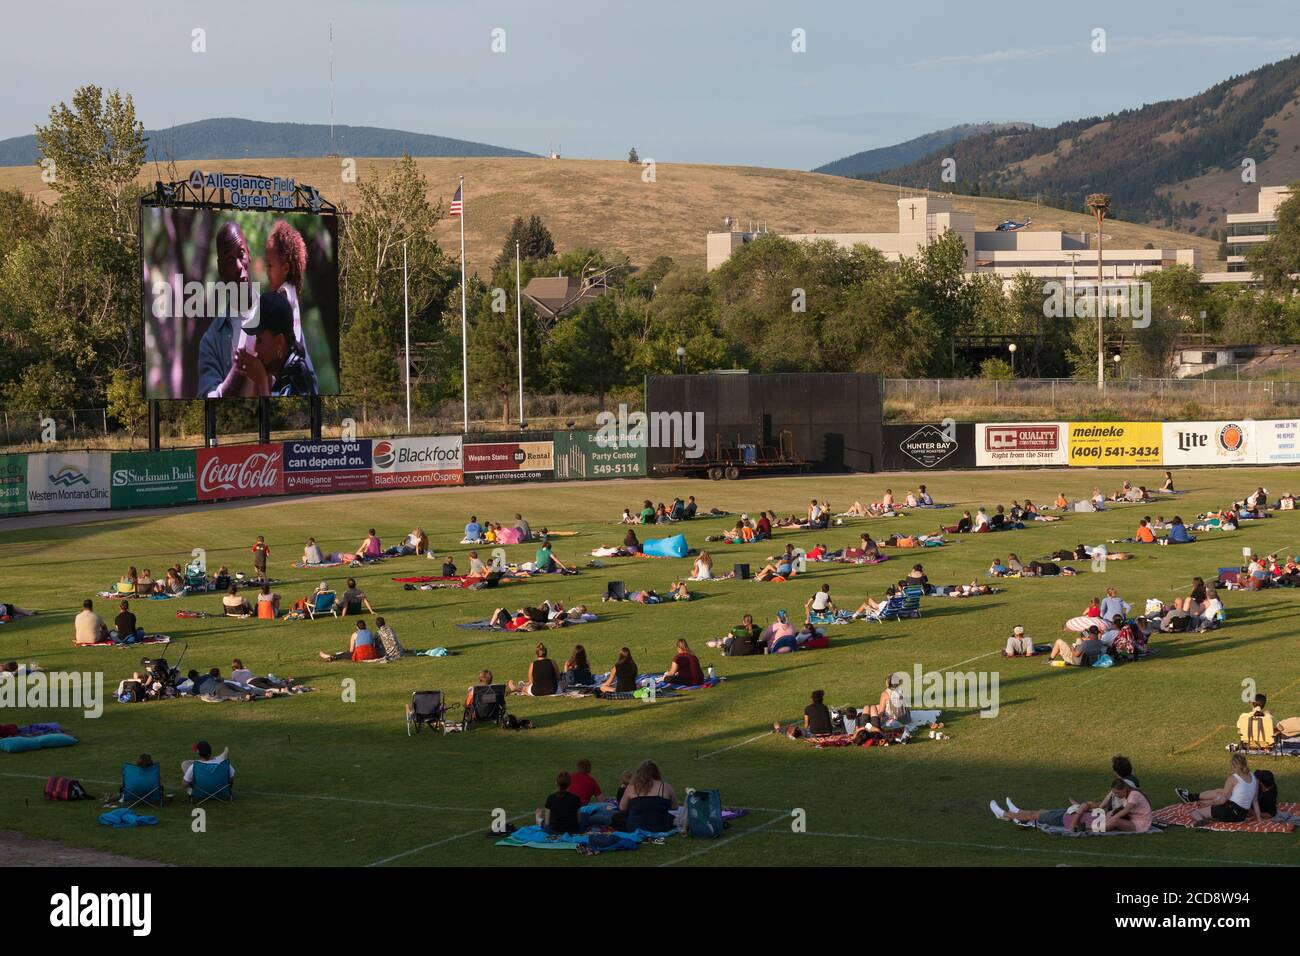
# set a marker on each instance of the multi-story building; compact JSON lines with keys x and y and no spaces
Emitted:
{"x":1246,"y":229}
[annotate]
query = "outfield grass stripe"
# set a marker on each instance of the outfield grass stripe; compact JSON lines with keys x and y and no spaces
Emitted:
{"x":1199,"y":740}
{"x":725,"y":841}
{"x":1113,"y":857}
{"x":435,"y":843}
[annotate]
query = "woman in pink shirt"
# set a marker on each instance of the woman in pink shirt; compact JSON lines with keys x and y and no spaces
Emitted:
{"x":1134,"y":813}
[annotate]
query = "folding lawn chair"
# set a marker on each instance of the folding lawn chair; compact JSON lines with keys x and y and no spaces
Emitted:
{"x":426,"y":709}
{"x":142,"y":785}
{"x":322,"y":603}
{"x":912,"y":595}
{"x":487,"y":706}
{"x":211,"y":782}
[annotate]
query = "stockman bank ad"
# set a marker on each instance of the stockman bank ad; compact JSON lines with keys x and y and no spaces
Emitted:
{"x":13,"y":484}
{"x":1098,"y":444}
{"x":153,"y":478}
{"x":510,"y":461}
{"x":416,"y":462}
{"x":73,"y":481}
{"x":1032,"y":443}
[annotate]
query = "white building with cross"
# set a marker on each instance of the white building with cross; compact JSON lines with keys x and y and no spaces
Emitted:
{"x":1047,"y":254}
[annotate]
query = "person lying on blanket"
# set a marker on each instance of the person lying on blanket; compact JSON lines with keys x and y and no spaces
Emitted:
{"x":974,"y":589}
{"x":213,"y":686}
{"x":816,"y":720}
{"x":361,"y":647}
{"x":685,"y":670}
{"x":1085,"y":650}
{"x":622,"y":676}
{"x":543,"y":676}
{"x":855,"y":511}
{"x":270,"y":686}
{"x":1235,"y":802}
{"x":12,"y":612}
{"x":1077,"y":816}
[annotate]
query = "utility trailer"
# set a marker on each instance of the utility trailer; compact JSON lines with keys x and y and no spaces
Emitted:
{"x":741,"y":458}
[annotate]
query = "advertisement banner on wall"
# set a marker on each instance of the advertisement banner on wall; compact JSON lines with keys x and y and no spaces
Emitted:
{"x":929,"y":445}
{"x":416,"y":462}
{"x":1277,"y":442}
{"x":240,"y":471}
{"x":509,"y":461}
{"x":1021,"y":443}
{"x":144,"y":479}
{"x":1209,"y":443}
{"x":13,"y":484}
{"x":580,"y":455}
{"x":1102,"y":444}
{"x":320,"y":466}
{"x":67,"y":482}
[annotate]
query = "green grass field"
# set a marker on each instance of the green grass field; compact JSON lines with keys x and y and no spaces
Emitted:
{"x":323,"y":782}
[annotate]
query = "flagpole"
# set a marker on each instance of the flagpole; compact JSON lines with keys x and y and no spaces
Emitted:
{"x":519,"y":318}
{"x":406,"y":319}
{"x":464,"y":321}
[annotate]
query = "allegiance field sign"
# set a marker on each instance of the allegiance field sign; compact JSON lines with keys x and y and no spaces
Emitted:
{"x":327,"y":466}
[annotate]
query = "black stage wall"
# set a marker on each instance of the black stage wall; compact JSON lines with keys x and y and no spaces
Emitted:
{"x":834,"y":418}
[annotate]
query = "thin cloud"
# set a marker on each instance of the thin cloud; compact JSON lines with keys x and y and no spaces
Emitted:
{"x":995,"y":56}
{"x":1171,"y":40}
{"x":1116,"y":42}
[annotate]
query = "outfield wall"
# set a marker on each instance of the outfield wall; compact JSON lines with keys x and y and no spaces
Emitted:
{"x":90,"y":480}
{"x":953,"y":445}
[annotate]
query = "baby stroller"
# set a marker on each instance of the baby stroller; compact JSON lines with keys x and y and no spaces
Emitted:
{"x":426,"y":709}
{"x":196,"y":578}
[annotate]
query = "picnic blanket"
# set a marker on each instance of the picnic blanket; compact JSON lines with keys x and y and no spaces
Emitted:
{"x":1180,"y":815}
{"x":323,"y":564}
{"x":124,"y":819}
{"x":127,"y":596}
{"x":147,"y":639}
{"x":1062,"y":831}
{"x":537,"y":838}
{"x":645,"y":680}
{"x":487,"y":625}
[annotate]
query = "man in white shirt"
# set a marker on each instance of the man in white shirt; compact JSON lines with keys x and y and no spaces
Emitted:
{"x":204,"y":751}
{"x":90,"y":627}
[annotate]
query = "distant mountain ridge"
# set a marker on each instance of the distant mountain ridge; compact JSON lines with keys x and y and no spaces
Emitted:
{"x":231,"y":138}
{"x":869,"y":161}
{"x":1178,"y":162}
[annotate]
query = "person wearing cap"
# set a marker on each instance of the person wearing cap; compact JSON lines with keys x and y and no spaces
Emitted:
{"x":280,"y":367}
{"x":779,"y":633}
{"x":203,"y":754}
{"x":1018,"y":645}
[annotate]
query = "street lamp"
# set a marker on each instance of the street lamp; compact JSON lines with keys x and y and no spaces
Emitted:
{"x":1099,"y":203}
{"x":1012,"y":349}
{"x":681,"y":358}
{"x":1116,"y":359}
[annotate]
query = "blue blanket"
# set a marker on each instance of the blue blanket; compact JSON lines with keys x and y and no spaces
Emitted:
{"x":123,"y":819}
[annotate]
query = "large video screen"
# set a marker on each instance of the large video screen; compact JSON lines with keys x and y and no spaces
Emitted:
{"x":239,"y":303}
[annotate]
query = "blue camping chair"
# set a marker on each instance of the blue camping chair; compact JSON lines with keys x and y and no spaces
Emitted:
{"x":211,"y":782}
{"x":324,"y":603}
{"x":142,"y":785}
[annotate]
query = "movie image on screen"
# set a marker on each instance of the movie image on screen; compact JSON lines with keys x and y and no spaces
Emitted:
{"x":239,"y":303}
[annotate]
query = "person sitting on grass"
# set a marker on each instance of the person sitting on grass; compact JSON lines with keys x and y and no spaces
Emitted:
{"x":631,"y":543}
{"x":1178,"y":532}
{"x":1235,"y":802}
{"x":648,"y":801}
{"x":562,"y":813}
{"x":268,"y":603}
{"x":311,"y":553}
{"x":703,"y":569}
{"x":1018,"y":644}
{"x":684,"y":671}
{"x":1085,"y":649}
{"x":543,"y":676}
{"x":997,"y":569}
{"x":816,"y":720}
{"x":232,"y":605}
{"x":622,"y":676}
{"x":203,"y":754}
{"x":581,"y":783}
{"x":361,"y":647}
{"x":820,"y":604}
{"x":545,"y":561}
{"x":353,"y":600}
{"x":1134,"y":812}
{"x":743,"y":640}
{"x":577,"y":671}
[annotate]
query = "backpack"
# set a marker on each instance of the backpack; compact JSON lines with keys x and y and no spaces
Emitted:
{"x":704,"y":814}
{"x":61,"y":788}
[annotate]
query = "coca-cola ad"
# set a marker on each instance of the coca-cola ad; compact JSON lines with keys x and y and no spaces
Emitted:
{"x":240,"y":471}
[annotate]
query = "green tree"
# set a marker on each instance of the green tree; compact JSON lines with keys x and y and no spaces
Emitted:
{"x":534,"y":239}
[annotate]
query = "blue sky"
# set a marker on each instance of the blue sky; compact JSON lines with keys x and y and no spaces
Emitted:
{"x":709,"y":81}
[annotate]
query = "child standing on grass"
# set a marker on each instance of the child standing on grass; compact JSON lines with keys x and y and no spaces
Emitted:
{"x":260,"y":553}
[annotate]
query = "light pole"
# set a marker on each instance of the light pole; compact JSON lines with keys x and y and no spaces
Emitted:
{"x":1116,"y":358}
{"x":1012,"y":349}
{"x":681,"y":358}
{"x":1099,"y":203}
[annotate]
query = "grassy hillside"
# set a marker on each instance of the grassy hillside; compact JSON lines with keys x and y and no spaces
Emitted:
{"x":606,"y":204}
{"x":1174,"y":162}
{"x":329,"y":779}
{"x":867,"y":162}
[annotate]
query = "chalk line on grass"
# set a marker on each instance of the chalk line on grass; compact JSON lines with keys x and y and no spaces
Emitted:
{"x":723,"y":750}
{"x":725,"y":840}
{"x":1199,"y":740}
{"x":435,"y":843}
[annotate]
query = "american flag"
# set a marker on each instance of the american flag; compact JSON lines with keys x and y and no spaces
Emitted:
{"x":456,"y":203}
